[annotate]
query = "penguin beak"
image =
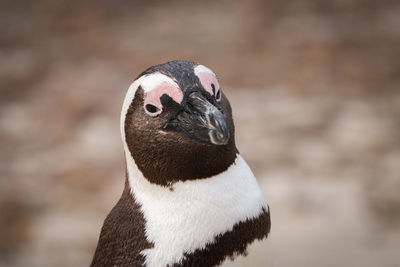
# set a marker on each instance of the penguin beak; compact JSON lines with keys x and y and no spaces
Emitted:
{"x":202,"y":121}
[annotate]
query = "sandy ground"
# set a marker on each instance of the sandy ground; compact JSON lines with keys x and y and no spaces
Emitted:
{"x":316,"y":101}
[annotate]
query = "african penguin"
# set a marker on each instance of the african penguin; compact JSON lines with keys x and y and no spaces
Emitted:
{"x":190,"y":199}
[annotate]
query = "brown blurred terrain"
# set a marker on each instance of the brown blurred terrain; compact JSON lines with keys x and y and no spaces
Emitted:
{"x":315,"y":90}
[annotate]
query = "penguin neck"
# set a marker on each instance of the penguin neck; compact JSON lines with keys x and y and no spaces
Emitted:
{"x":178,"y":217}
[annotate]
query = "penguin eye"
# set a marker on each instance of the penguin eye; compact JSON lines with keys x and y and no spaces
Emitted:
{"x":218,"y":96}
{"x":152,"y":98}
{"x":209,"y":81}
{"x":152,"y":110}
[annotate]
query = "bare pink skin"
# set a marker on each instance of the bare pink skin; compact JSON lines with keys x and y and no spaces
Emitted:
{"x":153,"y":97}
{"x":206,"y":80}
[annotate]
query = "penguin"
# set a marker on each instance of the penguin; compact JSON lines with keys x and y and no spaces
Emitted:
{"x":190,"y":199}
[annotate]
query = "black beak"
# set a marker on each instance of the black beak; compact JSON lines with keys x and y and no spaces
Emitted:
{"x":201,"y":120}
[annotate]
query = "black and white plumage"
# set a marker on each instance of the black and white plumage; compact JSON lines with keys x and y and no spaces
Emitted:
{"x":190,"y":199}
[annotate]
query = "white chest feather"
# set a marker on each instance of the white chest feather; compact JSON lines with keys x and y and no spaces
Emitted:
{"x":194,"y":212}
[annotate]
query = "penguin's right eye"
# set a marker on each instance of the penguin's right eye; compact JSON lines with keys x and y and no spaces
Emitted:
{"x":152,"y":110}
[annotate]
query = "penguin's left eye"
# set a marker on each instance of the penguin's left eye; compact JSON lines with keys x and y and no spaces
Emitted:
{"x":152,"y":100}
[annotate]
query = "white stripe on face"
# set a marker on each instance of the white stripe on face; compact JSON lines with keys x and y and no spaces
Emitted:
{"x":200,"y":68}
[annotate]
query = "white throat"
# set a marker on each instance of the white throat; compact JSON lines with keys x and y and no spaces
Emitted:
{"x":194,"y":212}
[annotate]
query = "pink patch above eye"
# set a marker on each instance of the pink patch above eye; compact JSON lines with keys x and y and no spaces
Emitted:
{"x":207,"y":79}
{"x":153,"y":97}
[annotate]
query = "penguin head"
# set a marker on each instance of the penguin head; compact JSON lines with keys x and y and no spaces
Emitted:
{"x":177,"y":123}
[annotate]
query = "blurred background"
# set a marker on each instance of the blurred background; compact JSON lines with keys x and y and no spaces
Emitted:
{"x":315,"y":90}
